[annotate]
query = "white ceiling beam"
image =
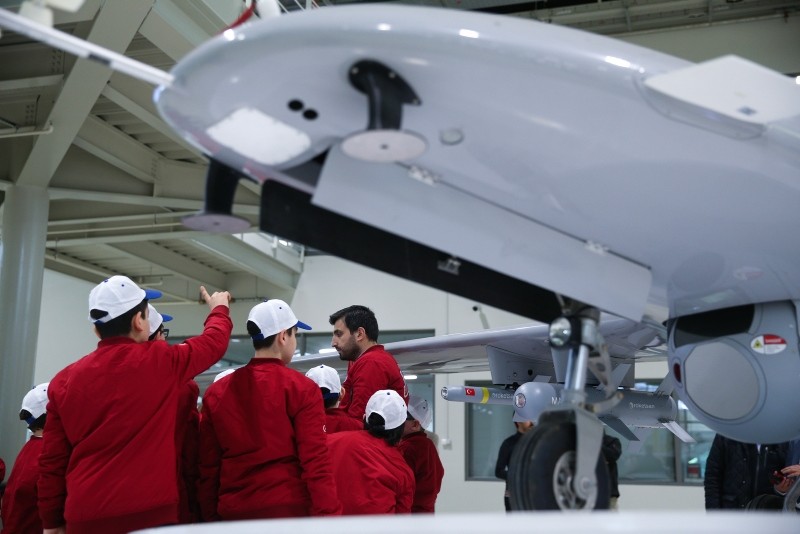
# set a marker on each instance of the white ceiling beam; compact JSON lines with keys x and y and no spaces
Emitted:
{"x":174,"y":263}
{"x":178,"y":27}
{"x":114,"y":27}
{"x":136,"y":97}
{"x":272,"y":247}
{"x":249,"y":259}
{"x":24,"y":84}
{"x":97,"y":223}
{"x":58,"y":193}
{"x":94,"y":271}
{"x":127,"y":238}
{"x":86,"y":12}
{"x":64,"y":264}
{"x":111,"y":145}
{"x":613,"y":16}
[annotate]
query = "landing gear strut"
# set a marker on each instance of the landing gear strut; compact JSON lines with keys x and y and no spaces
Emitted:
{"x":557,"y":466}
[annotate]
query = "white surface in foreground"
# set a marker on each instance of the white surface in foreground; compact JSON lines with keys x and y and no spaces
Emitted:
{"x":650,"y":522}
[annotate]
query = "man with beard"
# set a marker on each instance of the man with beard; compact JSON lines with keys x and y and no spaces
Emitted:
{"x":370,"y":368}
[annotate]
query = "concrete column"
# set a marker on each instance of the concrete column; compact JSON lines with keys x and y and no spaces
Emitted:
{"x":24,"y":233}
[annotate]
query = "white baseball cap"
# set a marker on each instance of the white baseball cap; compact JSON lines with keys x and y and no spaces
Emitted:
{"x":117,"y":295}
{"x":35,"y":401}
{"x":326,"y":377}
{"x":419,"y":410}
{"x":274,"y":316}
{"x":389,"y":405}
{"x":156,"y":319}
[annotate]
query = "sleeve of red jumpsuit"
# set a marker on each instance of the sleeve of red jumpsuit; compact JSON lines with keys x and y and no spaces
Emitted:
{"x":210,"y":458}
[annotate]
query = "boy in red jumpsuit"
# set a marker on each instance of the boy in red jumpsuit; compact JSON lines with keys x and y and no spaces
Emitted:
{"x":336,"y":420}
{"x":108,"y":463}
{"x":421,"y":455}
{"x":355,"y":338}
{"x":262,"y":439}
{"x":371,"y":475}
{"x":187,"y":431}
{"x":20,"y":511}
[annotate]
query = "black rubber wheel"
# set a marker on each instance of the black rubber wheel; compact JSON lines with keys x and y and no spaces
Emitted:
{"x":542,"y":469}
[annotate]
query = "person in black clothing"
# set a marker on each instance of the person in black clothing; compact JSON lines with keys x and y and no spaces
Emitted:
{"x":738,"y":472}
{"x":504,"y":455}
{"x":612,"y":450}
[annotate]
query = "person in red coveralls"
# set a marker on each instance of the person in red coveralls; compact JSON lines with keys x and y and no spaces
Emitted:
{"x":262,"y":438}
{"x":2,"y":478}
{"x":108,"y":463}
{"x":371,"y":475}
{"x":370,"y":367}
{"x":421,"y":455}
{"x":336,"y":419}
{"x":187,"y":431}
{"x":20,"y":512}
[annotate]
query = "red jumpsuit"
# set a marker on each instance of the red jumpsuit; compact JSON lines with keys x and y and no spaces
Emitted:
{"x":187,"y":444}
{"x":110,"y":434}
{"x":374,"y":370}
{"x":20,"y":513}
{"x":337,"y":420}
{"x":423,"y":458}
{"x":262,"y":446}
{"x":371,"y":475}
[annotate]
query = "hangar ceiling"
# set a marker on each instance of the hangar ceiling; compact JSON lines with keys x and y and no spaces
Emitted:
{"x":120,"y":181}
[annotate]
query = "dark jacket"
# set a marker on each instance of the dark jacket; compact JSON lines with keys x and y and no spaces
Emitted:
{"x":504,"y":456}
{"x":612,"y":450}
{"x":737,"y":472}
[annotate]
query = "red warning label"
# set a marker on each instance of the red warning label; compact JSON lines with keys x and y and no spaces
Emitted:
{"x":768,"y":344}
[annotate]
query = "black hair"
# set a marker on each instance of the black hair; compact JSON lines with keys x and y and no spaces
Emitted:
{"x":118,"y":326}
{"x":374,"y":424}
{"x":266,"y":342}
{"x":154,"y":334}
{"x":356,"y":317}
{"x":328,"y":398}
{"x":36,"y":424}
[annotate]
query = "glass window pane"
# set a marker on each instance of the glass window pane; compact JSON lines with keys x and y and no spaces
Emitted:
{"x":487,"y":426}
{"x":694,"y":455}
{"x":652,"y":461}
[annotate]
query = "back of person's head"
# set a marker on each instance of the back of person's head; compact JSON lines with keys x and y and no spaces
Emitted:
{"x":267,"y":319}
{"x":329,"y":383}
{"x":34,"y":407}
{"x":385,"y":416}
{"x":114,"y":302}
{"x":356,"y":317}
{"x":156,"y":322}
{"x":419,"y":409}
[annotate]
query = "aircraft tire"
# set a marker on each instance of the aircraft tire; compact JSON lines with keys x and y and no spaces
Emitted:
{"x":542,"y":467}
